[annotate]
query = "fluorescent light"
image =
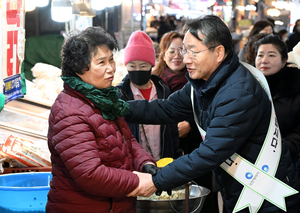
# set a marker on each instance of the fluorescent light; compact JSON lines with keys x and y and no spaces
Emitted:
{"x":273,"y":12}
{"x":41,"y":3}
{"x":98,"y":5}
{"x":278,"y":22}
{"x":61,"y":10}
{"x":250,"y":7}
{"x":29,"y":5}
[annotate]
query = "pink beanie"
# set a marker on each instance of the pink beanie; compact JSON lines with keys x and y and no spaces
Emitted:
{"x":139,"y":47}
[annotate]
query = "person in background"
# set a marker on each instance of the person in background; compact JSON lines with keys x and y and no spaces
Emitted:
{"x":250,"y":48}
{"x":93,"y":151}
{"x":139,"y":57}
{"x":170,"y":66}
{"x":172,"y":70}
{"x":294,"y":55}
{"x":152,"y":30}
{"x":284,"y":83}
{"x":283,"y":34}
{"x":163,"y":28}
{"x":234,"y":111}
{"x":262,"y":26}
{"x":294,"y":38}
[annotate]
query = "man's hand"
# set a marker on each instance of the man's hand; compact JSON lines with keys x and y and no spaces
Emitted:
{"x":145,"y":187}
{"x":150,"y":168}
{"x":183,"y":128}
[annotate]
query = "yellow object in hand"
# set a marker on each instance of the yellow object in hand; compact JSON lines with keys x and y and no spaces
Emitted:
{"x":163,"y":162}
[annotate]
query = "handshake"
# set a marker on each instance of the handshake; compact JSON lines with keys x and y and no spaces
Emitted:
{"x":152,"y":169}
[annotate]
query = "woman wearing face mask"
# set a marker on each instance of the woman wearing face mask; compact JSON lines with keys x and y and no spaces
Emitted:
{"x":284,"y":83}
{"x":139,"y":58}
{"x":294,"y":38}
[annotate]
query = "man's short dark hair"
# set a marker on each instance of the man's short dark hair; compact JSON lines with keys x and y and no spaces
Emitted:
{"x":214,"y":30}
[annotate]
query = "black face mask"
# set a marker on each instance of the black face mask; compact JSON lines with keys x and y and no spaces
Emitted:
{"x":139,"y":77}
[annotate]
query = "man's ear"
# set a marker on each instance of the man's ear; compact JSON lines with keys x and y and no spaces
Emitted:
{"x":220,"y":53}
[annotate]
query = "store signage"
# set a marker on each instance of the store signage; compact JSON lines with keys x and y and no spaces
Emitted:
{"x":12,"y":87}
{"x":11,"y":43}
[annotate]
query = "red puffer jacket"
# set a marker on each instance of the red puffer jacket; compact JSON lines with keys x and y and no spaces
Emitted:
{"x":92,"y":158}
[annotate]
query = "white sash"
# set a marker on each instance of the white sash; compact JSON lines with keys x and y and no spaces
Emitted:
{"x":258,"y":179}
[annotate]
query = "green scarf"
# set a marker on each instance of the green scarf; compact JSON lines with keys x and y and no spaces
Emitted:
{"x":107,"y":100}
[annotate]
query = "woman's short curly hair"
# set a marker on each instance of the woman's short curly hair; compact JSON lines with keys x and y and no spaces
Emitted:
{"x":79,"y":48}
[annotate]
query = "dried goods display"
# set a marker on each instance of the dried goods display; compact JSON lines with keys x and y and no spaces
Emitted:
{"x":20,"y":152}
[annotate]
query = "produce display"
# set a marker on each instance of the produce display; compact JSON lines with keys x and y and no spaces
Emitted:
{"x":47,"y":83}
{"x":178,"y":193}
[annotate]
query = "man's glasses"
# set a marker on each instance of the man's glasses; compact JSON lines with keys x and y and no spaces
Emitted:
{"x":191,"y":53}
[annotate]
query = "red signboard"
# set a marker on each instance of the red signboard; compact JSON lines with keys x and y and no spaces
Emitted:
{"x":13,"y":14}
{"x":12,"y":28}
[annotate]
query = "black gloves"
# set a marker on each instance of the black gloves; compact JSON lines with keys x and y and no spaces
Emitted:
{"x":152,"y":169}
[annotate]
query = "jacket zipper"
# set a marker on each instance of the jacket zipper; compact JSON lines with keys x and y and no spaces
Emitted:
{"x":111,"y":203}
{"x":163,"y":126}
{"x":125,"y":142}
{"x":201,"y":111}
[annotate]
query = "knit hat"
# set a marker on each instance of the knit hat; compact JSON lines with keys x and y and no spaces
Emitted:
{"x":139,"y":47}
{"x":294,"y":56}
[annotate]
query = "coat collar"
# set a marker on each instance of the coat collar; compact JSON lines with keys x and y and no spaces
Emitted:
{"x":226,"y":68}
{"x":289,"y":85}
{"x":69,"y":90}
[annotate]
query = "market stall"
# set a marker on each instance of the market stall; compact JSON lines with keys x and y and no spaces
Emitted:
{"x":23,"y":118}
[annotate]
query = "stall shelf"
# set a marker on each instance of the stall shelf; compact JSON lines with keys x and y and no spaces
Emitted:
{"x":25,"y":118}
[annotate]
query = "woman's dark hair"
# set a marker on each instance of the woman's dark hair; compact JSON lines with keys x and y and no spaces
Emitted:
{"x":258,"y":26}
{"x":250,"y":54}
{"x":282,"y":32}
{"x":277,"y":42}
{"x":81,"y":46}
{"x":164,"y":45}
{"x":295,"y":26}
{"x":215,"y":31}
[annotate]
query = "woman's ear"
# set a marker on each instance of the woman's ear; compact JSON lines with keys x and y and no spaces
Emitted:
{"x":284,"y":62}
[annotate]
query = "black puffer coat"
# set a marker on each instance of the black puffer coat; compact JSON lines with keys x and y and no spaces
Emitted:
{"x":169,"y":133}
{"x":285,"y":89}
{"x":292,"y":40}
{"x":235,"y":111}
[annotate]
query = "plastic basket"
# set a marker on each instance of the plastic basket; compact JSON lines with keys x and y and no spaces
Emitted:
{"x":8,"y":170}
{"x":24,"y":192}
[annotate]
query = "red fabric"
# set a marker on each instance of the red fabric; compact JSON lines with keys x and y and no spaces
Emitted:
{"x":174,"y":81}
{"x":139,"y":47}
{"x":146,"y":93}
{"x":92,"y":162}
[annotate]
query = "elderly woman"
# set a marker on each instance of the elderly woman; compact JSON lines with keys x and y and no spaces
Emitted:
{"x":284,"y":83}
{"x":93,"y":152}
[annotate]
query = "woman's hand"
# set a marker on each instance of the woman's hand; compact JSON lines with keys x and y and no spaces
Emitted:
{"x":145,"y":188}
{"x":183,"y":128}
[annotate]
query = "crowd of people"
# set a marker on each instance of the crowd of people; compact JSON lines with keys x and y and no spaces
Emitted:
{"x":230,"y":122}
